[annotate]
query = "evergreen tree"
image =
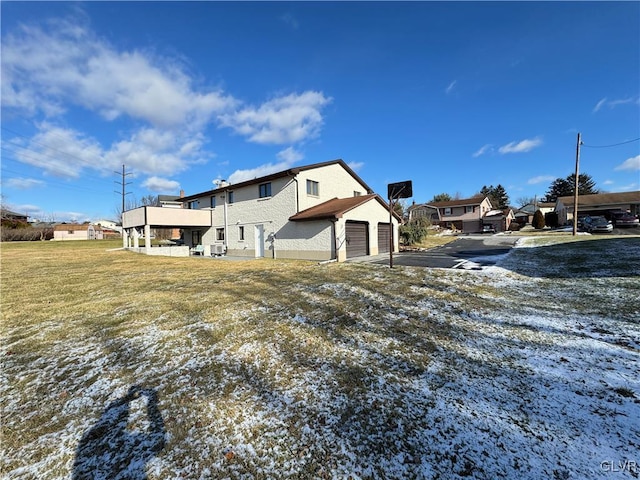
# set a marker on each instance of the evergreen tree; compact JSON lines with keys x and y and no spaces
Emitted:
{"x":564,"y":187}
{"x":497,"y":196}
{"x":538,"y":220}
{"x":441,"y":197}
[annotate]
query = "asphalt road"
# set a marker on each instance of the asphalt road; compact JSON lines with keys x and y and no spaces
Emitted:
{"x":452,"y":255}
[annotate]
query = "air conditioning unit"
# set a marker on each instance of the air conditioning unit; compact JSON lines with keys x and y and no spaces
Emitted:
{"x":217,"y":249}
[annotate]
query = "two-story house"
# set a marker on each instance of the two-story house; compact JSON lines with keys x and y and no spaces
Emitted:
{"x":319,"y":212}
{"x":463,"y":215}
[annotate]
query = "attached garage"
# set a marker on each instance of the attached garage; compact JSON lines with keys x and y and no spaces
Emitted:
{"x":384,"y":237}
{"x":357,"y":238}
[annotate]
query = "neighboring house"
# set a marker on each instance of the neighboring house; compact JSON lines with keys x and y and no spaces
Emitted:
{"x":74,"y":231}
{"x":13,"y":216}
{"x":323,"y":211}
{"x":500,"y":219}
{"x":598,"y":204}
{"x":524,"y":214}
{"x":465,"y":215}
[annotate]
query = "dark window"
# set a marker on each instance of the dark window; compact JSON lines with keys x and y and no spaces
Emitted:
{"x":213,"y":202}
{"x":241,"y":233}
{"x":220,"y":234}
{"x":230,"y":197}
{"x":356,"y":194}
{"x":193,"y":205}
{"x":265,"y":190}
{"x":312,"y":188}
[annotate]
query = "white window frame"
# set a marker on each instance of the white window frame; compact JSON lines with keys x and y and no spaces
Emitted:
{"x":313,"y":188}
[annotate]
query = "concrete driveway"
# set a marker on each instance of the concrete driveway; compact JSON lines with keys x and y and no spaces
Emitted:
{"x":453,"y":255}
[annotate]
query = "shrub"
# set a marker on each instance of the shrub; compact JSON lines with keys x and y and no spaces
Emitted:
{"x":26,"y":234}
{"x":538,"y":220}
{"x":414,"y":232}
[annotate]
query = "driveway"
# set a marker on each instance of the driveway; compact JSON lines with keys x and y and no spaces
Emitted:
{"x":453,"y":255}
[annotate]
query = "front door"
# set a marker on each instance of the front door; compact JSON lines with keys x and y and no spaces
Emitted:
{"x":259,"y":241}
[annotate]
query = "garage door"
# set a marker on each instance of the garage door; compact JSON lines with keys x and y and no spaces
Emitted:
{"x":357,"y":239}
{"x":383,"y":237}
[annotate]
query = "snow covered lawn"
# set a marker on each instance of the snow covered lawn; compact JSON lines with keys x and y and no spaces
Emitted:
{"x":130,"y":367}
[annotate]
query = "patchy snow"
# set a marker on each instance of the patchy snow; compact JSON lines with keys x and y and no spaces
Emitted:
{"x":465,"y":377}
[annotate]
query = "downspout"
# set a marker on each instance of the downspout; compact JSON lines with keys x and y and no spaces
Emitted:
{"x":335,"y":240}
{"x":297,"y":195}
{"x":226,"y":234}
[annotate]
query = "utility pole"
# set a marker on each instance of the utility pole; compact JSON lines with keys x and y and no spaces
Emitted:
{"x":124,"y":184}
{"x":575,"y":193}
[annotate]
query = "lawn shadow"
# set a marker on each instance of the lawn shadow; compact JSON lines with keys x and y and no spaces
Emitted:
{"x":112,"y":449}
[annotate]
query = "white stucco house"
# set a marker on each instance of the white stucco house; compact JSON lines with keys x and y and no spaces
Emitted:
{"x":323,"y":211}
{"x":75,"y":231}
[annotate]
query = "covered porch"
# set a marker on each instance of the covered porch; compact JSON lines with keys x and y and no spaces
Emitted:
{"x":137,"y":224}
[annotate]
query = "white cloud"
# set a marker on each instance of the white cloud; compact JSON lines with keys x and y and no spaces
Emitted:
{"x":608,"y":182}
{"x":160,"y":185}
{"x":290,"y":20}
{"x":599,"y":104}
{"x":61,"y":152}
{"x":614,"y":103}
{"x":64,"y":63}
{"x":290,"y":155}
{"x":541,"y":179}
{"x":628,"y":188}
{"x":632,"y":163}
{"x":521,"y":147}
{"x":260,"y":171}
{"x":451,"y":86}
{"x":289,"y":119}
{"x":356,"y":166}
{"x":23,"y":183}
{"x":482,"y":150}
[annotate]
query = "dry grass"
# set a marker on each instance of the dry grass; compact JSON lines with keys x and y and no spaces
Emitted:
{"x":264,"y":369}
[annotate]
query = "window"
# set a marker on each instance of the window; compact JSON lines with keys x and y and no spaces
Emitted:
{"x":241,"y":233}
{"x":196,"y":237}
{"x":447,"y":211}
{"x":71,"y":232}
{"x":469,"y":209}
{"x":264,"y":190}
{"x":356,"y":194}
{"x":220,"y":234}
{"x":312,"y":188}
{"x":213,"y":202}
{"x":193,"y":205}
{"x":230,"y":197}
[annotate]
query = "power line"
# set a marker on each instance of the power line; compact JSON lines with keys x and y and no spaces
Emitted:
{"x":613,"y":145}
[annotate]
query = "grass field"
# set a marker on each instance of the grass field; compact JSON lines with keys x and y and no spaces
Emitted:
{"x":130,"y":366}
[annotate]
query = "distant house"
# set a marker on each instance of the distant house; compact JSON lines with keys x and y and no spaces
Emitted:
{"x":524,"y":214}
{"x":323,"y":211}
{"x":75,"y":231}
{"x":8,"y":215}
{"x":598,"y":204}
{"x":500,"y":219}
{"x":464,"y":215}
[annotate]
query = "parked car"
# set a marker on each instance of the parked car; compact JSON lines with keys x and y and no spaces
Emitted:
{"x":488,"y":228}
{"x":624,"y":219}
{"x":598,"y":224}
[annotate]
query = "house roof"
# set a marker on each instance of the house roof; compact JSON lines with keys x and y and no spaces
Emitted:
{"x":75,"y":227}
{"x":620,"y":198}
{"x":291,"y":172}
{"x":335,"y":208}
{"x":477,"y":200}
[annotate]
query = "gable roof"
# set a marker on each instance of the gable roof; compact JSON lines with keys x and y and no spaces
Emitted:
{"x":603,"y":198}
{"x":291,"y":172}
{"x":477,"y":200}
{"x":336,"y":207}
{"x":75,"y":227}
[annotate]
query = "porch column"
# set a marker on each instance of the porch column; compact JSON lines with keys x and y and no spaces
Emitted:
{"x":147,"y":239}
{"x":125,"y":238}
{"x":136,"y":235}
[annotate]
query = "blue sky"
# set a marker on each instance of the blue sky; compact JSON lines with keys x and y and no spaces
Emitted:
{"x":450,"y":95}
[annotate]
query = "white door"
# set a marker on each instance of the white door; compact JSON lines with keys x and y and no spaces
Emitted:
{"x":259,"y":241}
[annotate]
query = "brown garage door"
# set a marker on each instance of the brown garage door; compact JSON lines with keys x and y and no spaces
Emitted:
{"x":357,"y":239}
{"x":383,"y":237}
